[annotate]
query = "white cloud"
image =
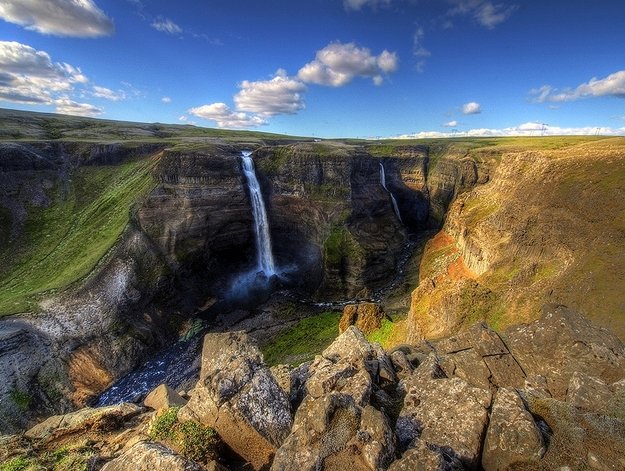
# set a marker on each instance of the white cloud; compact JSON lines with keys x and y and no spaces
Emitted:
{"x":417,"y":43}
{"x":612,"y":85}
{"x":165,"y":25}
{"x":78,"y":18}
{"x":525,"y":129}
{"x":225,"y":117}
{"x":280,"y":95}
{"x":358,"y":4}
{"x":183,"y":118}
{"x":30,"y":76}
{"x":451,"y":124}
{"x":472,"y":108}
{"x":166,"y":99}
{"x":485,"y":12}
{"x":108,"y":94}
{"x":66,"y":106}
{"x":338,"y":64}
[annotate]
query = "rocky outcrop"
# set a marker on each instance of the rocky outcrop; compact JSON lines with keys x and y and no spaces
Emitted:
{"x":513,"y":436}
{"x":464,"y":402}
{"x":147,"y":456}
{"x":163,"y":397}
{"x":367,"y":317}
{"x":239,"y":397}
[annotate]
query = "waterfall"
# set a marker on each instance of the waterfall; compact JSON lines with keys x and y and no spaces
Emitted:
{"x":394,"y":201}
{"x":264,"y":254}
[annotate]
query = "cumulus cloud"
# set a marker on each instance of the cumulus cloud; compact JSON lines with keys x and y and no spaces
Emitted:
{"x":29,"y":76}
{"x":280,"y":95}
{"x":612,"y":85}
{"x":358,"y":4}
{"x":224,"y":117}
{"x":451,"y":124}
{"x":485,"y":12}
{"x":525,"y":129}
{"x":78,"y":18}
{"x":166,"y":99}
{"x":165,"y":25}
{"x":66,"y":106}
{"x":338,"y":64}
{"x":108,"y":94}
{"x":472,"y":108}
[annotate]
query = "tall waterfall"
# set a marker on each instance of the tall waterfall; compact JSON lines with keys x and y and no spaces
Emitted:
{"x":383,"y":181}
{"x":264,"y":254}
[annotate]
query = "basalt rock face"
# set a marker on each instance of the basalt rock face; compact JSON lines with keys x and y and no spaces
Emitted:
{"x":332,"y":218}
{"x":199,"y":214}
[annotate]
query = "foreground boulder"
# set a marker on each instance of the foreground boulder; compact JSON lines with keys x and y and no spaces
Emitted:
{"x":150,"y":456}
{"x":163,"y":397}
{"x":238,"y":396}
{"x":513,"y":437}
{"x":445,"y":412}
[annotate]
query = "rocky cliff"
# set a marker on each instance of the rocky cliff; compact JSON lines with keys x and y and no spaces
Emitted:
{"x":545,"y":395}
{"x":546,"y":227}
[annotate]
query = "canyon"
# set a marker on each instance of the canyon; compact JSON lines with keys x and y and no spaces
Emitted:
{"x":117,"y":236}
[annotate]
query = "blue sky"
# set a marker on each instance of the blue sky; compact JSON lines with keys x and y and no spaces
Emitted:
{"x":329,"y":68}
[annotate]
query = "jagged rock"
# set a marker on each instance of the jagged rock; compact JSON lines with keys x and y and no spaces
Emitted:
{"x":512,"y":435}
{"x":427,"y":458}
{"x":339,"y":377}
{"x":446,"y":412}
{"x":403,"y":367}
{"x":479,"y":337}
{"x":163,"y":397}
{"x":239,"y":398}
{"x":102,"y":417}
{"x":150,"y":456}
{"x":282,"y":373}
{"x":505,"y":371}
{"x":587,"y":392}
{"x":366,"y":316}
{"x":468,"y":365}
{"x":378,"y":449}
{"x":562,"y":342}
{"x":536,"y":386}
{"x":332,"y":433}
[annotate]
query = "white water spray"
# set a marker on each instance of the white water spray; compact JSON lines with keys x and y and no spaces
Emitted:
{"x":394,"y":201}
{"x":264,"y":254}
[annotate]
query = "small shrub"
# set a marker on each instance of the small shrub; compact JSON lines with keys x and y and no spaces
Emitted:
{"x":163,"y":427}
{"x":197,"y":442}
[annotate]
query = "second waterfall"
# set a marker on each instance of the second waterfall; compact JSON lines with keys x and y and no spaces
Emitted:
{"x":264,"y":254}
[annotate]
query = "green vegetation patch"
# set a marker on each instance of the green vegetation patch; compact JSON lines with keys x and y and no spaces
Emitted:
{"x":66,"y":458}
{"x":479,"y":303}
{"x":300,"y":343}
{"x":63,"y":243}
{"x":193,"y":440}
{"x":341,"y":244}
{"x":21,"y":399}
{"x":383,"y":334}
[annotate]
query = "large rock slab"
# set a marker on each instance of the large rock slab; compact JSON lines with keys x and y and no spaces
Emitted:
{"x":150,"y":456}
{"x":444,"y":412}
{"x":563,"y":342}
{"x":427,"y":458}
{"x":83,"y":419}
{"x":588,"y":392}
{"x":239,"y":398}
{"x":332,"y":433}
{"x":512,"y":436}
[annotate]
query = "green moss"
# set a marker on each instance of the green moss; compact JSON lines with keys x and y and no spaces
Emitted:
{"x":163,"y":427}
{"x":339,"y":245}
{"x":6,"y":222}
{"x":19,"y":463}
{"x":304,"y":340}
{"x":480,"y":303}
{"x":64,"y":242}
{"x":383,"y":334}
{"x":21,"y":399}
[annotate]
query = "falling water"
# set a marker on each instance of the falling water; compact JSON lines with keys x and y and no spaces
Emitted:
{"x":383,"y":181}
{"x":264,"y":254}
